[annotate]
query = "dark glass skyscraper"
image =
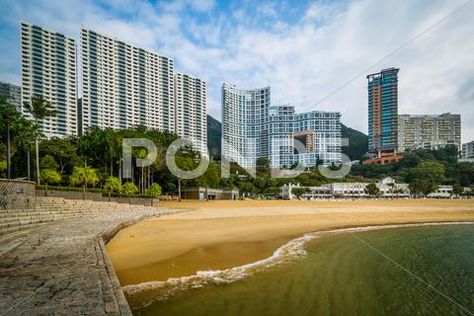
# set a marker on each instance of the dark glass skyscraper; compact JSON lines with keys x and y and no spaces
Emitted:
{"x":383,"y":111}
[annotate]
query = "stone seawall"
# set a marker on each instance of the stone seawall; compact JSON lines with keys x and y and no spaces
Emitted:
{"x":63,"y":268}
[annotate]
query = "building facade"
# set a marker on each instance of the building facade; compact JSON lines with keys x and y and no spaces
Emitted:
{"x":12,"y":93}
{"x":383,"y":111}
{"x":252,"y":129}
{"x":429,"y":131}
{"x":388,"y":188}
{"x":468,"y":150}
{"x":48,"y":70}
{"x":124,"y":85}
{"x":190,"y":106}
{"x":244,"y":114}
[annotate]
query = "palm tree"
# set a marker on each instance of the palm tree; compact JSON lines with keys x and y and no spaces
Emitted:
{"x":27,"y":131}
{"x":8,"y":116}
{"x":112,"y":184}
{"x":154,"y":191}
{"x":39,"y":109}
{"x":84,"y":176}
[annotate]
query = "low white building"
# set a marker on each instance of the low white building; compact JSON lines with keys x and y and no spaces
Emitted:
{"x":313,"y":193}
{"x":390,"y":188}
{"x":348,"y":189}
{"x":444,"y":191}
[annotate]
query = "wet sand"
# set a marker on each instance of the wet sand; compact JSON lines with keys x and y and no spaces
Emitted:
{"x":222,"y":234}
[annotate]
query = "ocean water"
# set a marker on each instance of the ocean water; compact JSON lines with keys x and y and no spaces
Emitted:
{"x":421,"y":270}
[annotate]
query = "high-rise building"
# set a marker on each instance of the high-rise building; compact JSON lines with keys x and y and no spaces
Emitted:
{"x":468,"y":151}
{"x":319,"y":132}
{"x":124,"y":85}
{"x":383,"y":111}
{"x":252,"y":129}
{"x":12,"y":93}
{"x":190,"y":105}
{"x":428,"y":131}
{"x":48,"y":69}
{"x":244,"y":114}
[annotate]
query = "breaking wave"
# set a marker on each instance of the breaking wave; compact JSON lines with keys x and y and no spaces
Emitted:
{"x":144,"y":294}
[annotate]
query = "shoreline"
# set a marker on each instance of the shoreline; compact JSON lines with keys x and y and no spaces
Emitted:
{"x":144,"y":294}
{"x":218,"y":235}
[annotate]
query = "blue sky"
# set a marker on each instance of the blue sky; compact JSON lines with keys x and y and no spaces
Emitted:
{"x":314,"y":54}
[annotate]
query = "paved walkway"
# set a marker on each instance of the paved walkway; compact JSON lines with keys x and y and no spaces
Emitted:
{"x":62,"y":268}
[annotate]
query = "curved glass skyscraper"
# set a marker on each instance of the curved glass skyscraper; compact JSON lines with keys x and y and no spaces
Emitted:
{"x":244,"y":114}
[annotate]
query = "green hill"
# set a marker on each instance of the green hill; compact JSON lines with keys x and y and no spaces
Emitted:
{"x":356,"y":150}
{"x":358,"y":143}
{"x":213,"y":136}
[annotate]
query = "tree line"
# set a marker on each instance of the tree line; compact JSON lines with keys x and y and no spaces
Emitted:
{"x":94,"y":161}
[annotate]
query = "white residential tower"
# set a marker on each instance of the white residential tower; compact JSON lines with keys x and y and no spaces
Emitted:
{"x":48,"y":70}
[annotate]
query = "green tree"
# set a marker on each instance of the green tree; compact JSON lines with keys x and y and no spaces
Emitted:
{"x":48,"y":162}
{"x":84,"y":176}
{"x":141,"y":154}
{"x":128,"y":189}
{"x":371,"y":189}
{"x":421,"y":186}
{"x":63,"y":151}
{"x":262,"y":163}
{"x":112,"y":184}
{"x":50,"y":176}
{"x":457,"y":189}
{"x":462,"y":173}
{"x":26,"y":133}
{"x":185,"y":161}
{"x":39,"y":109}
{"x":247,"y":188}
{"x":210,"y":178}
{"x":154,"y":191}
{"x":8,"y":117}
{"x":3,"y":167}
{"x":298,"y":192}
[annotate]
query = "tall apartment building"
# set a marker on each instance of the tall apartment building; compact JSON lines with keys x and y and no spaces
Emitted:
{"x":468,"y":150}
{"x":318,"y":131}
{"x":383,"y":111}
{"x":429,"y":131}
{"x":190,"y":106}
{"x":252,"y":129}
{"x":124,"y":85}
{"x":12,"y":93}
{"x":244,"y":114}
{"x":48,"y":69}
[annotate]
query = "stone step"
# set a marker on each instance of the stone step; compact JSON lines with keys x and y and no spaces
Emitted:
{"x":34,"y":213}
{"x":21,"y":224}
{"x":14,"y":229}
{"x":39,"y":216}
{"x":82,"y":210}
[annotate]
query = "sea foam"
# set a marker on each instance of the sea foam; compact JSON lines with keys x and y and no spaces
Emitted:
{"x":144,"y":294}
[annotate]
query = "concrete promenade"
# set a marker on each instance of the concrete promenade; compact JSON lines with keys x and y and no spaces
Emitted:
{"x":62,"y":268}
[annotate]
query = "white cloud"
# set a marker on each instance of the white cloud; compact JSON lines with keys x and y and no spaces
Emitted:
{"x":304,"y":59}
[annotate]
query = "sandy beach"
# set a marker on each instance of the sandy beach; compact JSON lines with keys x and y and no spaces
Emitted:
{"x":221,"y":234}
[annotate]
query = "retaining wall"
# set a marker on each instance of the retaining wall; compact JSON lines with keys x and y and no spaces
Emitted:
{"x":16,"y":194}
{"x":77,"y":195}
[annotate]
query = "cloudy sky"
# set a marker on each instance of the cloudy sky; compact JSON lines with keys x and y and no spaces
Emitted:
{"x":314,"y":54}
